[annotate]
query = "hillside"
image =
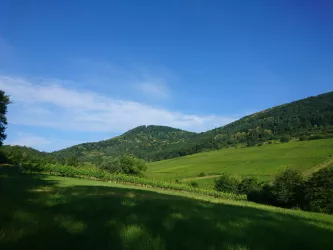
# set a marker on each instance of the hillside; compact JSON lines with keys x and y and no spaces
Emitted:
{"x":262,"y":162}
{"x":19,"y":153}
{"x":306,"y":119}
{"x":145,"y":142}
{"x":60,"y":213}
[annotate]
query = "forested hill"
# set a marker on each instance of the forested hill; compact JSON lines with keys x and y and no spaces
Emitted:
{"x":312,"y":116}
{"x":143,"y":141}
{"x":306,"y":119}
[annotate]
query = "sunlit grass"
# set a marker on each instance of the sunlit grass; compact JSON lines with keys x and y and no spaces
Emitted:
{"x":263,"y":162}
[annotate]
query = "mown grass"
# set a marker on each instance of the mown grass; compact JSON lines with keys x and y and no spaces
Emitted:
{"x":263,"y":162}
{"x":39,"y":212}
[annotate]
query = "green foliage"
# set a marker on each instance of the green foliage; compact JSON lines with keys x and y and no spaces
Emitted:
{"x":132,"y":165}
{"x":319,"y":191}
{"x":288,"y":188}
{"x":73,"y":161}
{"x":93,"y":173}
{"x":4,"y":101}
{"x":149,"y":143}
{"x":194,"y":184}
{"x":227,"y":183}
{"x":248,"y":185}
{"x":284,"y":138}
{"x":126,"y":164}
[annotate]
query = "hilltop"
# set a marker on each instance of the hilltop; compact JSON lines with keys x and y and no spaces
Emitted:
{"x":145,"y":142}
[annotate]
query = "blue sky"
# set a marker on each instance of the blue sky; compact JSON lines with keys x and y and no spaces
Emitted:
{"x":81,"y":71}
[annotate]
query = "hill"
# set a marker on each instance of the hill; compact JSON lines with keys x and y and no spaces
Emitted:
{"x":60,"y":213}
{"x":145,"y":142}
{"x":309,"y":118}
{"x":261,"y":161}
{"x":21,"y":153}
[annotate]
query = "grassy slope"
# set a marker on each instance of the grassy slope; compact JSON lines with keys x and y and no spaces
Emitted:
{"x":263,"y":162}
{"x":62,"y":213}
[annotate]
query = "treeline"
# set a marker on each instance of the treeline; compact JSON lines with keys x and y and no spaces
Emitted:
{"x":123,"y":164}
{"x":289,"y":190}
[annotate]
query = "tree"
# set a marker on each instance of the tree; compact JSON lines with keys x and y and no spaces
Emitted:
{"x":73,"y":161}
{"x":126,"y":164}
{"x":4,"y":101}
{"x":248,"y":185}
{"x":132,"y":165}
{"x":226,"y":183}
{"x":111,"y":165}
{"x":287,"y":188}
{"x":319,"y":191}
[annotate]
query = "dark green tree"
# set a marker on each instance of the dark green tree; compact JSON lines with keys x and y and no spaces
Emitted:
{"x":226,"y":183}
{"x":4,"y":101}
{"x":73,"y":161}
{"x":319,"y":191}
{"x":248,"y":185}
{"x":288,"y":188}
{"x":132,"y":165}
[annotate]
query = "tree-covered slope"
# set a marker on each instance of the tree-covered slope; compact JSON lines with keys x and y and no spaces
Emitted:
{"x":307,"y":117}
{"x":144,"y":142}
{"x":17,"y":154}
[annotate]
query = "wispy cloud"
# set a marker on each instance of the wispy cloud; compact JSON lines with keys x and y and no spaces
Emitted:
{"x":49,"y":103}
{"x":154,"y":88}
{"x":24,"y":139}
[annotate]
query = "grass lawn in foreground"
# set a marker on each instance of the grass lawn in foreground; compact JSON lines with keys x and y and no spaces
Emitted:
{"x":40,"y":212}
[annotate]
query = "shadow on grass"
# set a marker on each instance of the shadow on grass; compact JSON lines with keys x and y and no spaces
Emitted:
{"x":38,"y":214}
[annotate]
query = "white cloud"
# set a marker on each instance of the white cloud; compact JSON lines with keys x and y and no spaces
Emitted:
{"x":49,"y":103}
{"x":24,"y":139}
{"x":154,"y":88}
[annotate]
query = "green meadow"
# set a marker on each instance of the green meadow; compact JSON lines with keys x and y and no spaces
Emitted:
{"x":45,"y":212}
{"x":262,"y":161}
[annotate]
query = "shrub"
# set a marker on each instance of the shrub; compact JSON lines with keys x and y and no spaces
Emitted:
{"x":287,"y":188}
{"x":202,"y":174}
{"x":226,"y":183}
{"x":285,"y":138}
{"x":304,"y":138}
{"x":126,"y":164}
{"x":319,"y":191}
{"x":264,"y":194}
{"x":194,"y":184}
{"x":248,"y":185}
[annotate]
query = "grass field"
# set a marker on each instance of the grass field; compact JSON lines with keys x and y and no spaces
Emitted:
{"x":264,"y":161}
{"x":63,"y":213}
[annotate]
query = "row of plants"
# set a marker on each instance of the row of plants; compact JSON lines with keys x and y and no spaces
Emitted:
{"x":95,"y":173}
{"x":289,"y":189}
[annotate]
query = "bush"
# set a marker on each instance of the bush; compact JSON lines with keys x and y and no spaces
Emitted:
{"x":287,"y":188}
{"x":248,"y":185}
{"x":226,"y":183}
{"x":264,"y":194}
{"x":126,"y":164}
{"x":194,"y":184}
{"x":304,"y":138}
{"x":319,"y":191}
{"x":202,"y":174}
{"x":285,"y":138}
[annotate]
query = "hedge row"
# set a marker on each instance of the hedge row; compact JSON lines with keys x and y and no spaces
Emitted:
{"x":69,"y":171}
